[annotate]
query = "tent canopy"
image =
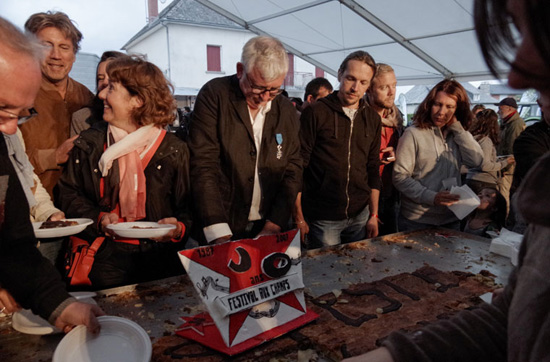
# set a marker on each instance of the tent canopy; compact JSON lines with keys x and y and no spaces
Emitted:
{"x":423,"y":40}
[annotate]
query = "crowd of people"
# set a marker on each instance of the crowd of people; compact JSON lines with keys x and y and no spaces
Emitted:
{"x":340,"y":169}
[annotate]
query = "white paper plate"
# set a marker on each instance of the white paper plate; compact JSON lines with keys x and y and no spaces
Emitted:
{"x":62,"y":231}
{"x":141,"y":229}
{"x":120,"y":340}
{"x":27,"y":322}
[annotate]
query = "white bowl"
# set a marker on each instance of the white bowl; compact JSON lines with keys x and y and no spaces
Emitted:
{"x":120,"y":340}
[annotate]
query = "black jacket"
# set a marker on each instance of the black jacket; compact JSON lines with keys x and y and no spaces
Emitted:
{"x":341,"y":162}
{"x":224,"y":155}
{"x":530,"y":145}
{"x":167,"y":179}
{"x":24,"y":272}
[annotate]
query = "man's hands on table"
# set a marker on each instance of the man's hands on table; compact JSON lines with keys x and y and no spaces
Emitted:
{"x":78,"y":313}
{"x":8,"y":304}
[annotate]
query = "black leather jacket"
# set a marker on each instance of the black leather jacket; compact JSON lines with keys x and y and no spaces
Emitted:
{"x":167,"y":175}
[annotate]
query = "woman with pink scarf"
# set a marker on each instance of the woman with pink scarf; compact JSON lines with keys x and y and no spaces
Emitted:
{"x":129,"y":168}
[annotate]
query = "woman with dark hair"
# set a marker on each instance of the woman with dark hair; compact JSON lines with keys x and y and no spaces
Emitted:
{"x":129,"y":168}
{"x":516,"y":326}
{"x":485,"y":131}
{"x":85,"y":117}
{"x":429,"y":156}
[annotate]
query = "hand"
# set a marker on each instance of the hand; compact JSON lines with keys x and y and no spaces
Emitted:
{"x":304,"y":229}
{"x":220,"y":240}
{"x":56,"y":216}
{"x":445,"y":198}
{"x":451,"y":121}
{"x":511,"y":160}
{"x":497,"y":293}
{"x":389,"y":155}
{"x":381,"y":354}
{"x":62,"y":152}
{"x":174,"y":233}
{"x":108,"y":219}
{"x":8,"y":305}
{"x":78,"y":313}
{"x":269,"y":229}
{"x":372,"y":227}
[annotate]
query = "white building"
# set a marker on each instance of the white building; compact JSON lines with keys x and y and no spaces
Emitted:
{"x":193,"y":44}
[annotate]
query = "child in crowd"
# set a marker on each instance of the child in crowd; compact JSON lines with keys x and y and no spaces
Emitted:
{"x":490,"y":215}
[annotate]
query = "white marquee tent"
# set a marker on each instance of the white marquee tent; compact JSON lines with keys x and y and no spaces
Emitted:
{"x":423,"y":40}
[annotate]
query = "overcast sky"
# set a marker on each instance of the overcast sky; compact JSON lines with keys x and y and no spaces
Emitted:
{"x":105,"y":24}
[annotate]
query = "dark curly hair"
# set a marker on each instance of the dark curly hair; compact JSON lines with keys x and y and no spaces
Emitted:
{"x":146,"y":81}
{"x":422,"y":117}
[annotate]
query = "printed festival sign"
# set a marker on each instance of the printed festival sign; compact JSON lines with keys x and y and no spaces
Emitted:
{"x":252,"y":289}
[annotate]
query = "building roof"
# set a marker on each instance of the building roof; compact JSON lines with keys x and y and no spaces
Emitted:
{"x":84,"y":69}
{"x":503,"y":89}
{"x":187,"y":12}
{"x":417,"y":93}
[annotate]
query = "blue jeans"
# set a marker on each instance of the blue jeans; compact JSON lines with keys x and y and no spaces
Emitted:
{"x":329,"y":232}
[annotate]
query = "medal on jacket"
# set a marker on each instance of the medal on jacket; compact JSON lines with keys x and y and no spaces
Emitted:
{"x":279,"y":138}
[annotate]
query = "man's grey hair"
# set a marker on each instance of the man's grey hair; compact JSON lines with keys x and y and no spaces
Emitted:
{"x":267,"y":55}
{"x":12,"y":39}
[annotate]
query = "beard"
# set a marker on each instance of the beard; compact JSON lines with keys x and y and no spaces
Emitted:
{"x":387,"y":104}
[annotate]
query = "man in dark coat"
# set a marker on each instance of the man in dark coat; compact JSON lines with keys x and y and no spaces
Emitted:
{"x":340,"y":137}
{"x":26,"y":278}
{"x":245,"y":161}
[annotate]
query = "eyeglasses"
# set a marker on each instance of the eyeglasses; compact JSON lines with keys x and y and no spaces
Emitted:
{"x":21,"y":119}
{"x":256,"y":89}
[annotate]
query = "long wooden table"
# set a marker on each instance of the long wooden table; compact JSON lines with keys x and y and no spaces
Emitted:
{"x":157,"y":305}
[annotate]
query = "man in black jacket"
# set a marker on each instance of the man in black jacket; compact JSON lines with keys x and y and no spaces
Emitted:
{"x":245,"y":151}
{"x":340,"y":137}
{"x":29,"y":279}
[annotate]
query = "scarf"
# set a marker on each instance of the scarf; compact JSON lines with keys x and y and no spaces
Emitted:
{"x":391,"y":118}
{"x":128,"y":150}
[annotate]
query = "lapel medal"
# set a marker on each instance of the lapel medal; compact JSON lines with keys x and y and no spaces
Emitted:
{"x":279,"y":138}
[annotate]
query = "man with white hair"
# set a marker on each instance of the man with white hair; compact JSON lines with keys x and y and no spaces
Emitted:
{"x":26,"y":278}
{"x":245,"y":160}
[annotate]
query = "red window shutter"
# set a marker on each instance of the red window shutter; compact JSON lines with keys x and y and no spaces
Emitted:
{"x":319,"y":73}
{"x":213,"y":58}
{"x":289,"y":80}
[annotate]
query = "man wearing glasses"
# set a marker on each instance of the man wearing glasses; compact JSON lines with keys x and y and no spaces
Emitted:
{"x":26,"y":278}
{"x":245,"y":162}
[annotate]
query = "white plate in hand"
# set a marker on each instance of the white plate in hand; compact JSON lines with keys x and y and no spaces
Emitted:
{"x":26,"y":322}
{"x":61,"y":231}
{"x":120,"y":340}
{"x":140,"y":229}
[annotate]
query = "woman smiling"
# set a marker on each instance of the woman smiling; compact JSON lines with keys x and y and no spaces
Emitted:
{"x":129,"y":168}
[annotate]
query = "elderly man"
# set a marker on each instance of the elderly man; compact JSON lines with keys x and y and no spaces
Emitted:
{"x":510,"y":127}
{"x":47,"y":135}
{"x":340,"y":137}
{"x":381,"y":97}
{"x":29,"y":279}
{"x":245,"y":161}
